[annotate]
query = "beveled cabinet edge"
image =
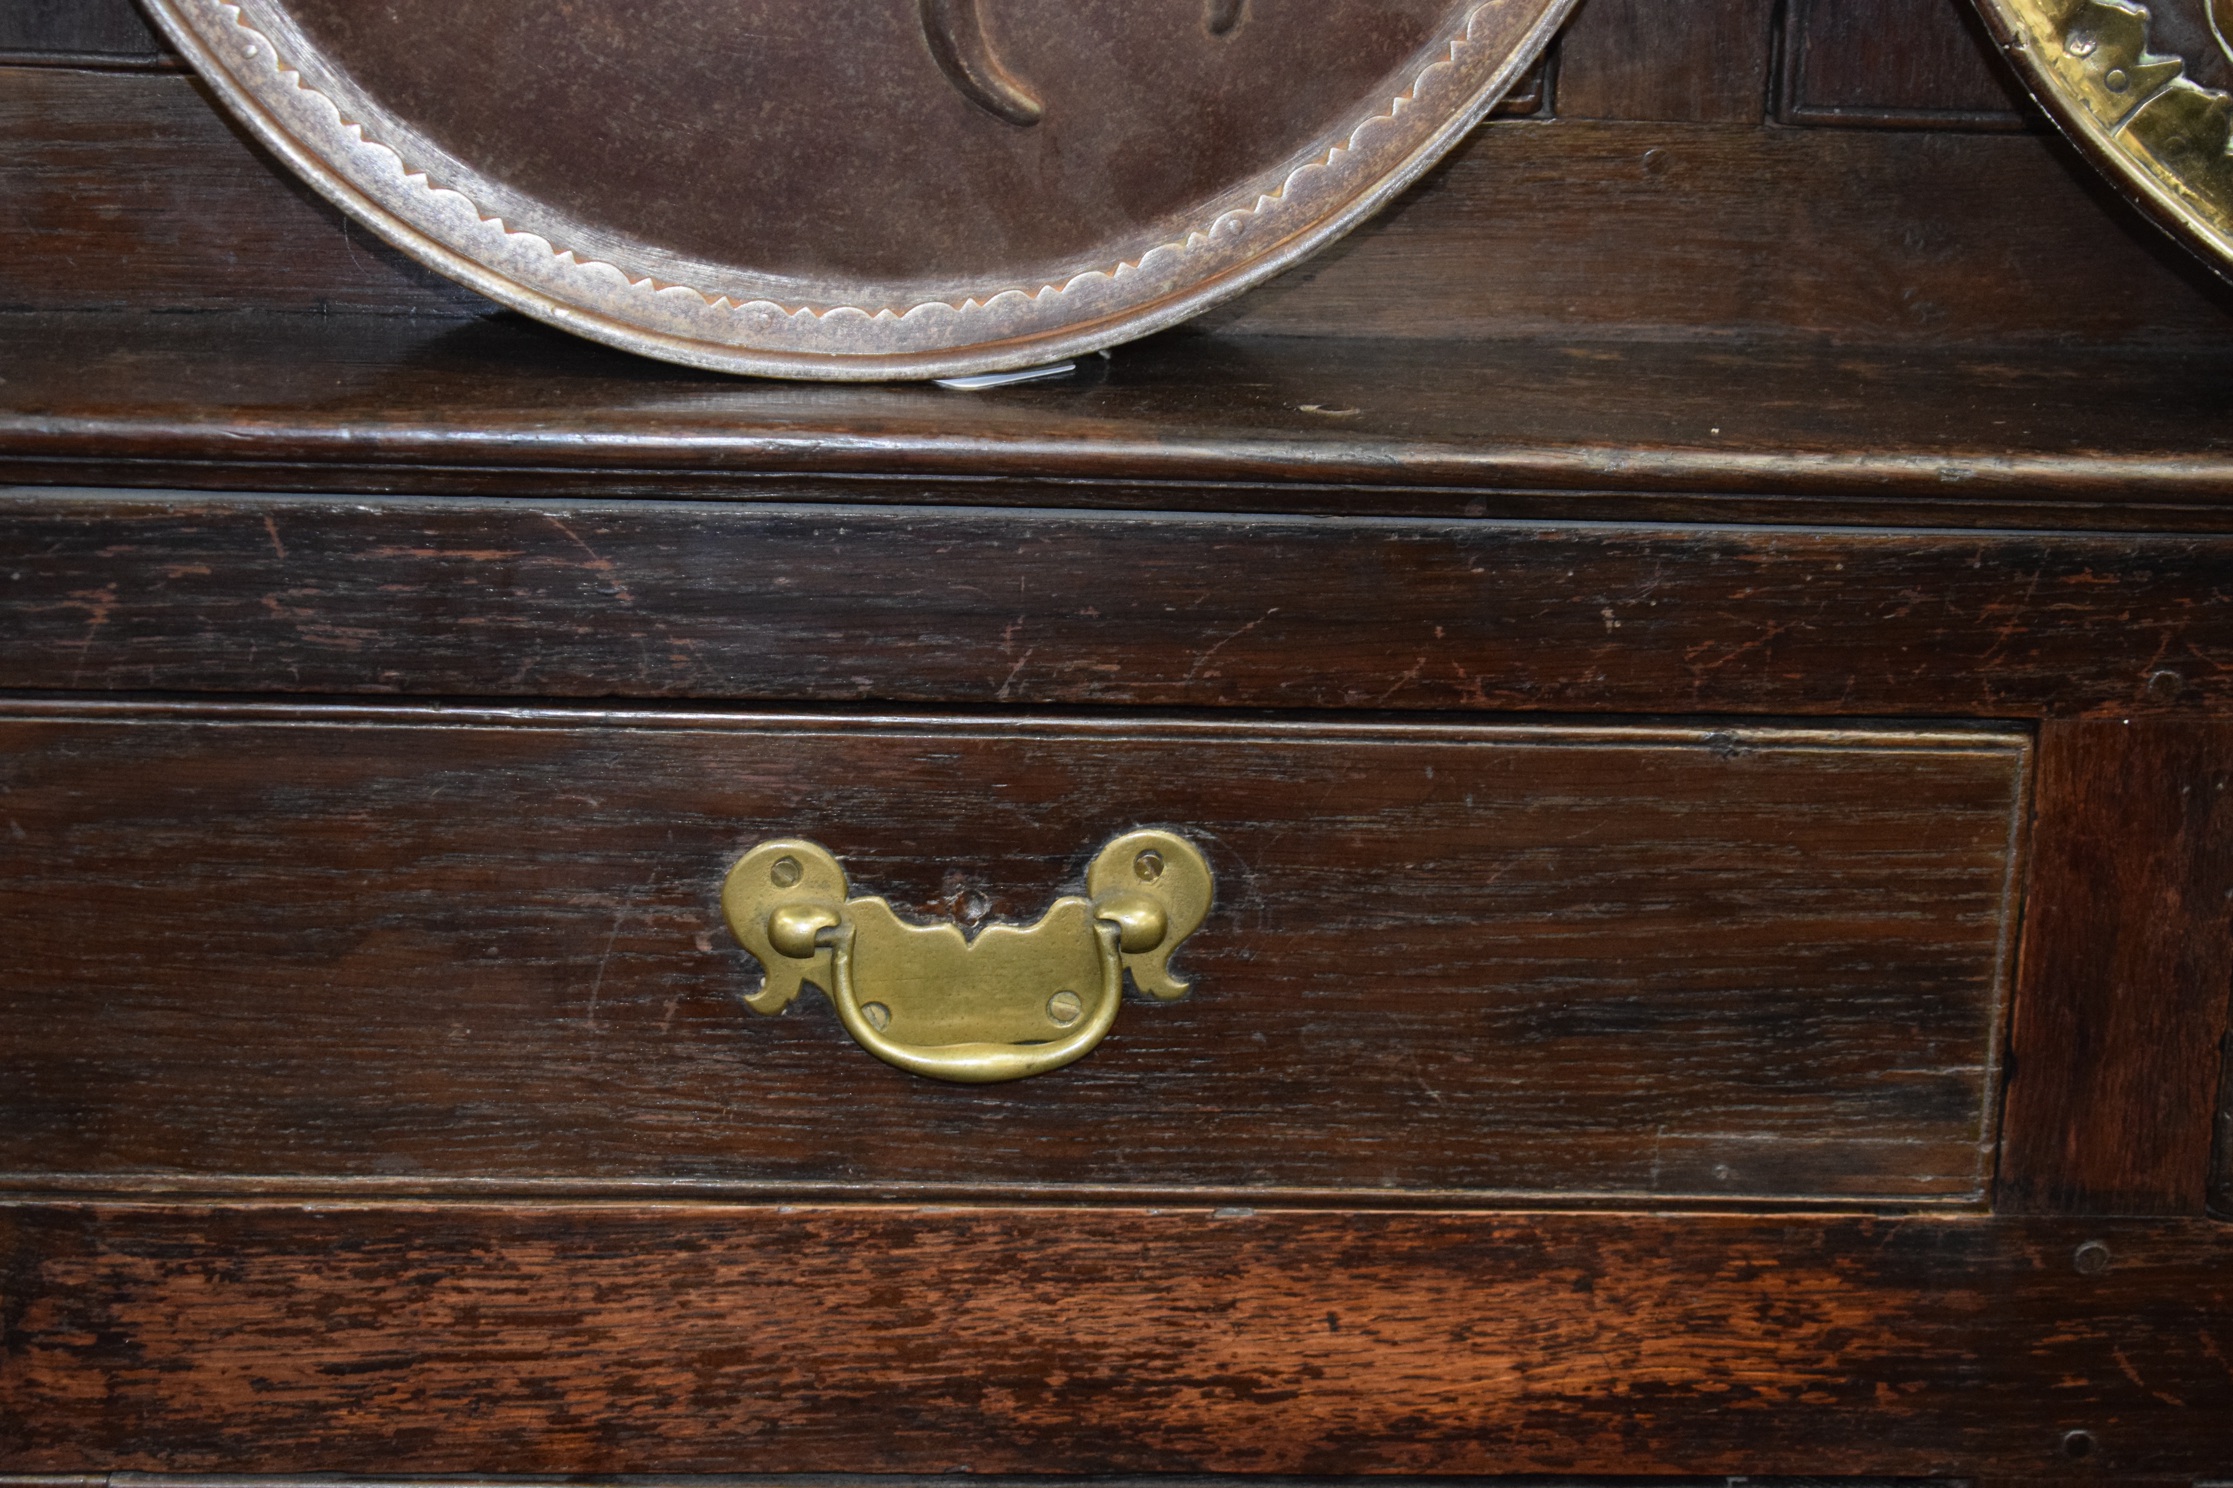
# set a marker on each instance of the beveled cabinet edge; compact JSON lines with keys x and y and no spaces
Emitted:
{"x":1676,"y":730}
{"x":885,"y":1480}
{"x":642,"y":1193}
{"x":1730,"y":734}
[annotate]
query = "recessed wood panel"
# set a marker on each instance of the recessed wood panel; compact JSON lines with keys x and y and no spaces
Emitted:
{"x":78,"y":33}
{"x":1912,"y":64}
{"x":692,"y":1338}
{"x":134,"y":192}
{"x":1692,"y":61}
{"x":443,"y":949}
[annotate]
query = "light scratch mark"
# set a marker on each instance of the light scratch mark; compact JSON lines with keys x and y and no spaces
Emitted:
{"x":1203,"y":660}
{"x":621,"y":913}
{"x":97,"y":604}
{"x":598,"y":562}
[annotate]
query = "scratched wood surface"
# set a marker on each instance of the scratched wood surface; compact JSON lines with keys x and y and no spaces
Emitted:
{"x":2129,"y":964}
{"x":464,"y":949}
{"x":1012,"y":609}
{"x":465,"y":1338}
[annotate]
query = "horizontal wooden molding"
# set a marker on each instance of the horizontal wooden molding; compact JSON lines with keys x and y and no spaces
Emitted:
{"x":1170,"y":610}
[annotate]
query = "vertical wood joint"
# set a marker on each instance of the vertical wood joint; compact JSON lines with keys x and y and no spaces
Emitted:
{"x":2125,"y":979}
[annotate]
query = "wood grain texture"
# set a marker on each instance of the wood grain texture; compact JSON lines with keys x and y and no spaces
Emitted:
{"x":78,"y":33}
{"x":849,"y":1480}
{"x":1579,"y":229}
{"x":1012,"y":609}
{"x":692,"y":1338}
{"x":1694,"y":61}
{"x":2221,"y":1172}
{"x":1895,"y":64}
{"x":1615,"y":967}
{"x":132,"y":191}
{"x":2127,"y":961}
{"x":479,"y":949}
{"x":142,"y":198}
{"x":1675,"y":432}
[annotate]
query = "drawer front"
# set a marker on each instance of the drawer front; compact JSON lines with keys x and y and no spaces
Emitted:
{"x":421,"y":950}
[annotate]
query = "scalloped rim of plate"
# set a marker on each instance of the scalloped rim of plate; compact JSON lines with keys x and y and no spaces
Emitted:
{"x":523,"y":255}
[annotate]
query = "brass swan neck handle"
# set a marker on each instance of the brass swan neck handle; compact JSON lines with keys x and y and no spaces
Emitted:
{"x":1013,"y":1002}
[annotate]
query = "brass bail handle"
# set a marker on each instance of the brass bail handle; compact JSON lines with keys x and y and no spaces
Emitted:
{"x":1015,"y":1001}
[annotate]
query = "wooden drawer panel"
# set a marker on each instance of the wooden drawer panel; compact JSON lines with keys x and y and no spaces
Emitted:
{"x":429,"y":950}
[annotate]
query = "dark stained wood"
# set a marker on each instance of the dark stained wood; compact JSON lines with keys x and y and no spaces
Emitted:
{"x":2115,"y":1051}
{"x":1283,"y":424}
{"x":849,"y":1480}
{"x":463,"y":1338}
{"x":1690,"y":61}
{"x":143,"y":199}
{"x":1895,"y":64}
{"x":139,"y":195}
{"x":78,"y":33}
{"x":466,"y":948}
{"x":1581,"y":230}
{"x":2221,"y":1176}
{"x":1016,"y":609}
{"x":1909,"y":423}
{"x":1278,"y":424}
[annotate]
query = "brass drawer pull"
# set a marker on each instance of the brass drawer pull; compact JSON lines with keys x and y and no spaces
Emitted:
{"x":1014,"y":1001}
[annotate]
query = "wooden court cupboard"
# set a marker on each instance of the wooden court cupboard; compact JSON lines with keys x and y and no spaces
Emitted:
{"x":1698,"y":648}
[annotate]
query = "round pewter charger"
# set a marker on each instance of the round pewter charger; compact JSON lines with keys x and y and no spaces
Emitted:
{"x":860,"y":189}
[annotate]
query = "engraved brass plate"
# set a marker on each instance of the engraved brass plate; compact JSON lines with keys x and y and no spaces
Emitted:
{"x":2146,"y":90}
{"x":875,"y":188}
{"x":1014,"y":1001}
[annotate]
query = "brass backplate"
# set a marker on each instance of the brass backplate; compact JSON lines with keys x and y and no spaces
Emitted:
{"x":1013,"y":1000}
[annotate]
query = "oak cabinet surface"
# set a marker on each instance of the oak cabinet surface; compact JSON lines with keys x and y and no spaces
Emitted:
{"x":1698,"y":649}
{"x":1589,"y":962}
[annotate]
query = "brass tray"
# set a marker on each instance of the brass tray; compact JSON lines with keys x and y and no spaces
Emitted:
{"x":2146,"y":90}
{"x":860,"y":188}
